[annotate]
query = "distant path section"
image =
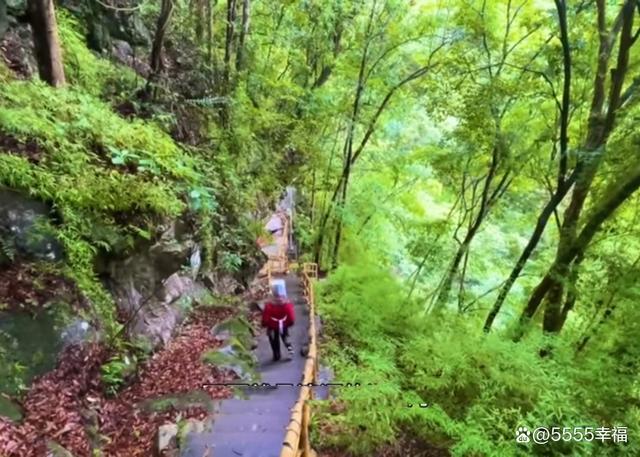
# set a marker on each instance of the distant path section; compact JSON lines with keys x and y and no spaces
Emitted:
{"x":255,"y":427}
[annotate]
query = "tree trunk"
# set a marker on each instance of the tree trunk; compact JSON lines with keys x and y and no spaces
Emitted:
{"x":584,"y":172}
{"x":230,"y":36}
{"x":445,"y":288}
{"x":572,"y":290}
{"x":162,"y":25}
{"x":244,"y":31}
{"x":553,"y":321}
{"x":341,"y":205}
{"x":487,"y":199}
{"x":313,"y":196}
{"x":210,"y":5}
{"x":348,"y":155}
{"x":4,"y":20}
{"x":325,"y":220}
{"x":42,"y":17}
{"x":541,"y":224}
{"x":200,"y":14}
{"x":560,"y":268}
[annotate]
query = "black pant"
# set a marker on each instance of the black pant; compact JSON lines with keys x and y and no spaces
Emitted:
{"x":274,"y":340}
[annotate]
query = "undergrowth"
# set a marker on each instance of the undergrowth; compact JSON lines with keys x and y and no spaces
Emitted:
{"x":109,"y":180}
{"x":83,"y":68}
{"x":479,"y":388}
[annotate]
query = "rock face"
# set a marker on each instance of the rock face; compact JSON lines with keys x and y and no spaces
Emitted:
{"x":166,"y":440}
{"x":25,"y":230}
{"x":105,"y":24}
{"x":77,"y":332}
{"x":16,"y":40}
{"x":155,"y":286}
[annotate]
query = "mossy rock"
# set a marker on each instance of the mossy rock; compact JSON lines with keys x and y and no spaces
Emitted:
{"x":55,"y":450}
{"x":203,"y":297}
{"x":235,"y":357}
{"x":10,"y":409}
{"x":238,"y":328}
{"x":180,"y":402}
{"x":191,"y":426}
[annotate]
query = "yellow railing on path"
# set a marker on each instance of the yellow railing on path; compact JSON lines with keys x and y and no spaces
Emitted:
{"x":296,"y":441}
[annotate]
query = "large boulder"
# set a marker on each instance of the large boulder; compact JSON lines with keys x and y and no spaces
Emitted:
{"x":16,"y":47}
{"x":107,"y":24}
{"x":25,"y":228}
{"x":155,"y":286}
{"x":166,"y":442}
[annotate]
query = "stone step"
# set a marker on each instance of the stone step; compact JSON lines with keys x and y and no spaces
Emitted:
{"x":236,"y":444}
{"x":251,"y":423}
{"x":256,"y":405}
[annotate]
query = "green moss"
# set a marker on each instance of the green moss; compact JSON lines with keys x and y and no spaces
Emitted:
{"x":235,"y":357}
{"x":82,"y":67}
{"x":181,"y":401}
{"x":239,"y":327}
{"x":82,"y":173}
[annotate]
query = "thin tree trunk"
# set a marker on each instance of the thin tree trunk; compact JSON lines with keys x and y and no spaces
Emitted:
{"x":210,"y":5}
{"x":4,"y":19}
{"x":230,"y":36}
{"x":200,"y":13}
{"x":348,"y":146}
{"x":162,"y":26}
{"x":541,"y":224}
{"x":553,"y":321}
{"x":562,"y":187}
{"x":487,"y":199}
{"x":572,"y":289}
{"x":42,"y":17}
{"x":583,"y":173}
{"x":463,"y":275}
{"x":313,"y":196}
{"x":612,"y":200}
{"x":325,"y":220}
{"x":445,"y":287}
{"x":244,"y":31}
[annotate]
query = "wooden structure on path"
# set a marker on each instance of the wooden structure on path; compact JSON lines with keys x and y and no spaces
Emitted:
{"x":296,"y":441}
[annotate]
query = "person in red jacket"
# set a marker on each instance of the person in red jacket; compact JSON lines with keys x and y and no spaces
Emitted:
{"x":278,"y":315}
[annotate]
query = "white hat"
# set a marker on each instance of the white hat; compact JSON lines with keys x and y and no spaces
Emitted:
{"x":278,"y":288}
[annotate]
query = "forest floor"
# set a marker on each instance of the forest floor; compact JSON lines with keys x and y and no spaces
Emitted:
{"x":60,"y":404}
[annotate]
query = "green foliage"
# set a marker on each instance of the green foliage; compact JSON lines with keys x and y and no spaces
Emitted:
{"x":479,"y":388}
{"x":85,"y":186}
{"x":82,"y":67}
{"x":116,"y":371}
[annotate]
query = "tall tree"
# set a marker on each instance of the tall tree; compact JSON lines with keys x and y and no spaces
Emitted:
{"x":553,"y":285}
{"x":374,"y":56}
{"x":493,"y":83}
{"x":42,"y":17}
{"x":600,"y":124}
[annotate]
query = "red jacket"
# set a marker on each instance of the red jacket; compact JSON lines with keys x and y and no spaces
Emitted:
{"x":275,"y":314}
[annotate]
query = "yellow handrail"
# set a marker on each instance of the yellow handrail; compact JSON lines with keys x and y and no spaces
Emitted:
{"x":296,"y":441}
